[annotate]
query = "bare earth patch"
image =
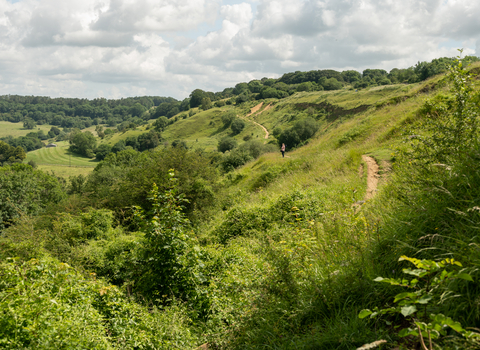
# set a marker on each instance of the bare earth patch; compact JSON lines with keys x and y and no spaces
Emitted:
{"x":372,"y":176}
{"x":255,"y":109}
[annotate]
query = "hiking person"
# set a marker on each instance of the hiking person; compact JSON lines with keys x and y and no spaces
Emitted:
{"x":283,"y":150}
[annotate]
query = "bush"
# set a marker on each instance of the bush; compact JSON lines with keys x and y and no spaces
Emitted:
{"x":236,"y":158}
{"x":227,"y":143}
{"x":237,"y":126}
{"x":300,"y":132}
{"x":228,"y":118}
{"x":61,"y":309}
{"x":24,"y":190}
{"x":102,"y":151}
{"x":244,"y":153}
{"x":332,"y":84}
{"x":170,"y":258}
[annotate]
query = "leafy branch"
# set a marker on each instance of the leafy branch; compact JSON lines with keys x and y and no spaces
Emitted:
{"x":427,"y":288}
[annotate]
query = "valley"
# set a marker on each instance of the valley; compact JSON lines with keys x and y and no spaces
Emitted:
{"x":192,"y":230}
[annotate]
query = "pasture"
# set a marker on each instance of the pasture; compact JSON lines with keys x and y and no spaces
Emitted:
{"x":61,"y":161}
{"x":17,"y":129}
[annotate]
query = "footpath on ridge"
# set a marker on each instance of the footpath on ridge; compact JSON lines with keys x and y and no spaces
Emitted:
{"x":372,"y":166}
{"x":256,"y":111}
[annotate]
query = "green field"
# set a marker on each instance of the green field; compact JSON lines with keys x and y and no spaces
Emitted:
{"x":61,"y":161}
{"x":17,"y":130}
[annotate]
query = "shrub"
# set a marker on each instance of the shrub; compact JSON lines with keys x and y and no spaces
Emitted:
{"x":170,"y":258}
{"x":237,"y":126}
{"x":48,"y":305}
{"x":228,"y":118}
{"x":227,"y":143}
{"x":102,"y":151}
{"x":300,"y":132}
{"x":235,"y":158}
{"x":26,"y":190}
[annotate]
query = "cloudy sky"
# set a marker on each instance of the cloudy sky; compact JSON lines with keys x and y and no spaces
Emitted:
{"x":121,"y":48}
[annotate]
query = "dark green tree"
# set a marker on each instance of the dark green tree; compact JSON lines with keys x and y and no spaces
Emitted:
{"x":83,"y":143}
{"x":228,"y":118}
{"x":237,"y":126}
{"x":351,"y":76}
{"x":29,"y":123}
{"x":102,"y":151}
{"x":196,"y":97}
{"x":119,"y":146}
{"x":24,"y":190}
{"x":149,"y":140}
{"x":206,"y":103}
{"x":226,"y":144}
{"x":332,"y":84}
{"x":11,"y":154}
{"x":137,"y":110}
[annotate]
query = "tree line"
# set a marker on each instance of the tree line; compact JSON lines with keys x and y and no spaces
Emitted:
{"x":83,"y":113}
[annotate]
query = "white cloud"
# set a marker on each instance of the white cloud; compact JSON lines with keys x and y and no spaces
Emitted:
{"x":170,"y":47}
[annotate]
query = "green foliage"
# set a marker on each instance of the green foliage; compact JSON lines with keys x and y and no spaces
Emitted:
{"x":11,"y":154}
{"x":206,"y":103}
{"x":227,"y":143}
{"x":171,"y":259}
{"x":46,"y":304}
{"x":434,"y":195}
{"x":271,"y":92}
{"x":102,"y":151}
{"x":427,"y":290}
{"x":75,"y":229}
{"x":83,"y":143}
{"x":137,"y":110}
{"x":228,"y":118}
{"x":332,"y":84}
{"x":24,"y":190}
{"x":237,"y":126}
{"x":196,"y":98}
{"x":451,"y":130}
{"x":349,"y":136}
{"x":180,"y":143}
{"x":125,"y":179}
{"x":149,"y":140}
{"x":29,"y":123}
{"x":300,"y":132}
{"x":160,"y":124}
{"x":244,"y":153}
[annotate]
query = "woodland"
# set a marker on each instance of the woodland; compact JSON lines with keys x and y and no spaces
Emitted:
{"x":181,"y":226}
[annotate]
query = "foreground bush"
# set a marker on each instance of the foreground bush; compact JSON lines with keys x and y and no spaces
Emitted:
{"x":48,"y":305}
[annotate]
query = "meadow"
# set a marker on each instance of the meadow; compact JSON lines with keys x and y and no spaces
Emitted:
{"x":17,"y":129}
{"x":61,"y":161}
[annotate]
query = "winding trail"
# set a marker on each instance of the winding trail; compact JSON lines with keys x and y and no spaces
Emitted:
{"x":256,"y":111}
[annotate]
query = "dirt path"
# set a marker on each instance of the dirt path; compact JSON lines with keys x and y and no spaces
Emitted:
{"x":255,"y":111}
{"x":372,"y":176}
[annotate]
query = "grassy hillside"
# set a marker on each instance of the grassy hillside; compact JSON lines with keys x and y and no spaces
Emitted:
{"x":17,"y":129}
{"x":281,"y":253}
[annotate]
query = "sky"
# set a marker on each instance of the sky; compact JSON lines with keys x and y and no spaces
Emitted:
{"x":122,"y":48}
